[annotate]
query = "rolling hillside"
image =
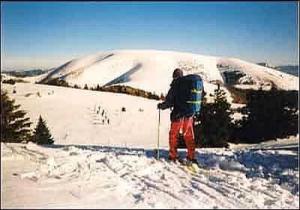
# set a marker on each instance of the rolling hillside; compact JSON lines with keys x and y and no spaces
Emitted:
{"x":151,"y":70}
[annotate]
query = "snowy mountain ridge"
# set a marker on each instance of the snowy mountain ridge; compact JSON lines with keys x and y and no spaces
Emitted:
{"x":103,"y":154}
{"x":151,"y":70}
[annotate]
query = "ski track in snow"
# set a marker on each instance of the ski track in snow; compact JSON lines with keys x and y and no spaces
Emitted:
{"x":124,"y":173}
{"x":95,"y":176}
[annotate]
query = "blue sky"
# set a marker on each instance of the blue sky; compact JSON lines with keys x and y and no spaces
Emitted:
{"x":46,"y":34}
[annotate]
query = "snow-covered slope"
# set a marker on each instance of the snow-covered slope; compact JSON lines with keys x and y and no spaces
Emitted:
{"x":103,"y":157}
{"x":151,"y":70}
{"x":96,"y":163}
{"x":262,"y":75}
{"x":78,"y":116}
{"x":77,"y":176}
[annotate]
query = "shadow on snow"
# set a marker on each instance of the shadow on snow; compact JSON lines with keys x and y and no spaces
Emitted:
{"x":280,"y":168}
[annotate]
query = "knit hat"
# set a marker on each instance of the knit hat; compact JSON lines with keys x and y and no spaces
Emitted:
{"x":177,"y":73}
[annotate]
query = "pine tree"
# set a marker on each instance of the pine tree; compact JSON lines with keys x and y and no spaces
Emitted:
{"x":98,"y":87}
{"x":269,"y":114}
{"x":15,"y":127}
{"x":41,"y":133}
{"x":216,"y":121}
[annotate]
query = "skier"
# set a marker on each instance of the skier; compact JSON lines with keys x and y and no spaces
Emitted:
{"x":181,"y":115}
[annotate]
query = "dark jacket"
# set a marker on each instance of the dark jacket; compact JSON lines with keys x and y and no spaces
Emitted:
{"x":176,"y":100}
{"x":172,"y":101}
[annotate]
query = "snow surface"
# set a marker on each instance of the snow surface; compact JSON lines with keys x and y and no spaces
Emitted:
{"x":75,"y":115}
{"x":94,"y":164}
{"x":151,"y":70}
{"x":78,"y":176}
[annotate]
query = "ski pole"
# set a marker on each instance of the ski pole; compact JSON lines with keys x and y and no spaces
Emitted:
{"x":158,"y":134}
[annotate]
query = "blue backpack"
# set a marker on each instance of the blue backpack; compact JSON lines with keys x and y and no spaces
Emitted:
{"x":189,"y":94}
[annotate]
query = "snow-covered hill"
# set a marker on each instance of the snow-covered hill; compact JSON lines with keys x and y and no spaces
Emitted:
{"x":78,"y":116}
{"x":151,"y":70}
{"x":103,"y":158}
{"x":103,"y":155}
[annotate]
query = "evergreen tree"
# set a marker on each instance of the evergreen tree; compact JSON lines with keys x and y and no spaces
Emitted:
{"x":216,"y":122}
{"x":15,"y":127}
{"x":269,"y":114}
{"x":41,"y":133}
{"x":213,"y":126}
{"x":98,"y":87}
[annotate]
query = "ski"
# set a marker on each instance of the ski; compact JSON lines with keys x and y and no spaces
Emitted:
{"x":194,"y":168}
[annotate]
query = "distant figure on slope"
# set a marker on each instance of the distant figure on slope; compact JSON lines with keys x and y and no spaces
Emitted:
{"x":184,"y":98}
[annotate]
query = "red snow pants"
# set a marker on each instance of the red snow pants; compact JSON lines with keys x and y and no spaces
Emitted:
{"x":185,"y":127}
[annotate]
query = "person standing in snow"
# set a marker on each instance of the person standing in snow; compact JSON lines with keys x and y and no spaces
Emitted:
{"x":181,"y":121}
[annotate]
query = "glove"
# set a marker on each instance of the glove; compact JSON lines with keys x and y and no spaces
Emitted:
{"x":160,"y":106}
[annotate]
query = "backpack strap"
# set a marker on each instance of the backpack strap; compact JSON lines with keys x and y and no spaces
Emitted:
{"x":194,"y":102}
{"x":196,"y":91}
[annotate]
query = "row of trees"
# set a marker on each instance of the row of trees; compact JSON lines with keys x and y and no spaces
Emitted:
{"x":57,"y":82}
{"x":127,"y":90}
{"x":267,"y":115}
{"x":15,"y":126}
{"x":115,"y":89}
{"x":13,"y":81}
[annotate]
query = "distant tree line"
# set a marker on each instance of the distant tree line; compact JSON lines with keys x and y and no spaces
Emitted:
{"x":115,"y":89}
{"x":27,"y":73}
{"x":127,"y":90}
{"x":56,"y":82}
{"x":13,"y":81}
